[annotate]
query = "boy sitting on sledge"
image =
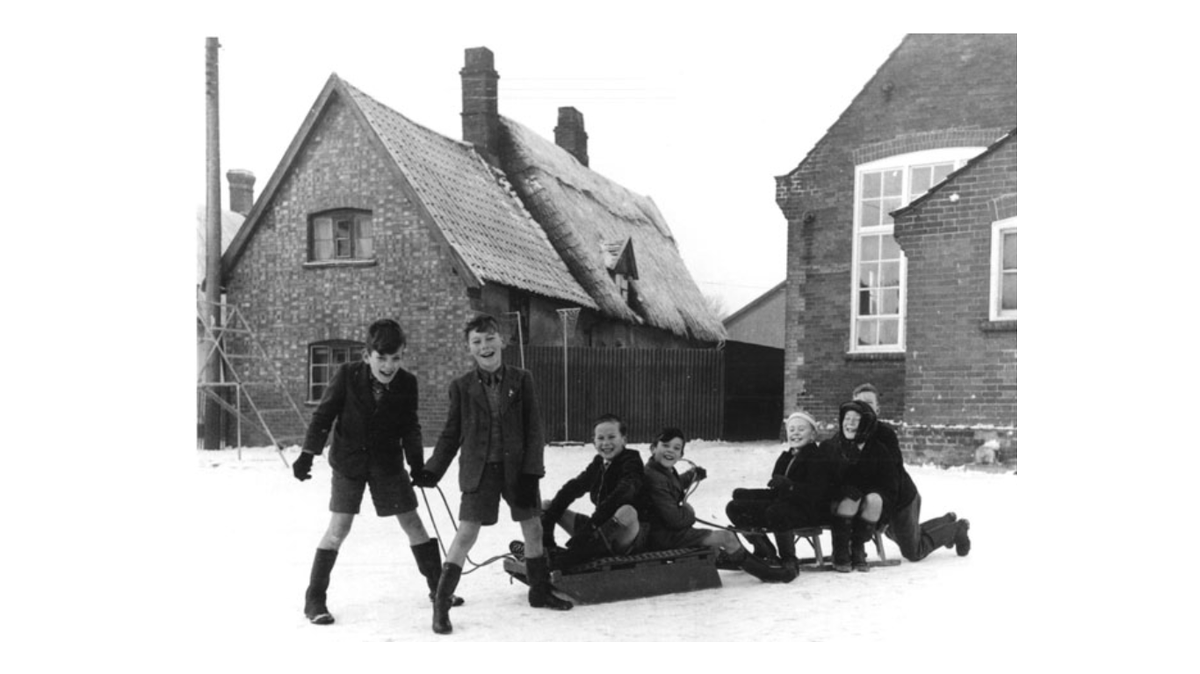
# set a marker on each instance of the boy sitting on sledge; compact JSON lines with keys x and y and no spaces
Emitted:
{"x":663,"y":504}
{"x":612,"y":481}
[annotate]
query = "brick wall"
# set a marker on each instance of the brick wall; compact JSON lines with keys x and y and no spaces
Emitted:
{"x":935,"y":91}
{"x":962,"y":368}
{"x":292,"y":304}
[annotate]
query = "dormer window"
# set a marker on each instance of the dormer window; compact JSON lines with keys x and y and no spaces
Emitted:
{"x":622,"y":267}
{"x":344,"y":234}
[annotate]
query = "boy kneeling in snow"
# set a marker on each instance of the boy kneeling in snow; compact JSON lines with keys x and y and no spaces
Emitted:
{"x":663,"y":502}
{"x":612,"y":481}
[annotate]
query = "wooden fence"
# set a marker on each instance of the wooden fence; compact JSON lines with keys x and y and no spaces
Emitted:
{"x":648,"y":388}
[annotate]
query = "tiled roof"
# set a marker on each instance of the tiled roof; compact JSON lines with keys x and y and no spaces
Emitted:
{"x":473,"y":205}
{"x":584,"y":213}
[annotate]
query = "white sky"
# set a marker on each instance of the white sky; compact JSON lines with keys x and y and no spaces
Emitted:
{"x":700,"y":110}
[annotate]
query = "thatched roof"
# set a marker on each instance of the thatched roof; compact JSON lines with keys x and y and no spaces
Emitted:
{"x":473,"y":207}
{"x":592,"y":222}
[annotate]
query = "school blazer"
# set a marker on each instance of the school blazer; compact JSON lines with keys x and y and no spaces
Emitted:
{"x":468,"y":426}
{"x":368,"y":437}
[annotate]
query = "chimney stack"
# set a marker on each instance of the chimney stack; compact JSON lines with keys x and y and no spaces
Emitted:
{"x":241,"y":190}
{"x":569,"y":134}
{"x":480,"y":114}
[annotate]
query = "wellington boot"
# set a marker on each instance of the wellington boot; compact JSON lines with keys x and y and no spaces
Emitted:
{"x":763,"y":548}
{"x":429,"y":563}
{"x":962,"y":542}
{"x":318,"y":583}
{"x":761,"y":570}
{"x":537,"y":572}
{"x":451,"y":573}
{"x":839,"y":532}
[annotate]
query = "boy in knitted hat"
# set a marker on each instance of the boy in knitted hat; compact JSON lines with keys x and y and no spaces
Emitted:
{"x":800,"y":493}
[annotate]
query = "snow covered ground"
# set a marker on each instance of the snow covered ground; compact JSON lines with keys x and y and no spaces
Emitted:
{"x":260,"y":527}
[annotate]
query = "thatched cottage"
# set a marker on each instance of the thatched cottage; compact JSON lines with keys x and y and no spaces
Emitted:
{"x":371,"y":214}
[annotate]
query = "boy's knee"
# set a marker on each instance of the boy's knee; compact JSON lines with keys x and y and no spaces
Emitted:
{"x":626,"y":515}
{"x":545,"y":504}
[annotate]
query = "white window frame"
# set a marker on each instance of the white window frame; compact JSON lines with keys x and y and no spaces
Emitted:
{"x":999,"y":229}
{"x":905,"y":163}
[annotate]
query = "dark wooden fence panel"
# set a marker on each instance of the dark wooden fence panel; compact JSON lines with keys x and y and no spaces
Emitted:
{"x":753,"y":392}
{"x":647,"y":388}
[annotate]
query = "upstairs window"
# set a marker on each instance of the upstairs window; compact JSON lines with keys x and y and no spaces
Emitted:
{"x":324,"y":358}
{"x":1003,"y":304}
{"x":340,"y":235}
{"x":879,"y":268}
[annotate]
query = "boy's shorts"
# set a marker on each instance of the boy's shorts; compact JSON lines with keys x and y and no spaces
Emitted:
{"x":664,"y":539}
{"x":392,"y":494}
{"x":483,"y":504}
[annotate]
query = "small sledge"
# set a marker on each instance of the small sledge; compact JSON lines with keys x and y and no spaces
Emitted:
{"x":631,"y":577}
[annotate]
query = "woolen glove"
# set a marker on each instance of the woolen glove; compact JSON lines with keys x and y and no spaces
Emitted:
{"x":780,"y":482}
{"x":302,"y":466}
{"x":583,"y":534}
{"x":851,"y":492}
{"x":699,"y":474}
{"x":527,"y":490}
{"x":424,"y":479}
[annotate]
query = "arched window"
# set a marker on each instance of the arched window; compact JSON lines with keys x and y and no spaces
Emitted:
{"x":879,"y":269}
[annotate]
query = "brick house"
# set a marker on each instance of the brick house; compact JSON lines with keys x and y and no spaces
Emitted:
{"x":371,"y":214}
{"x":894,"y":296}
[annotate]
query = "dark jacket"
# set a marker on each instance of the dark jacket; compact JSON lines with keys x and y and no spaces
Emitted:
{"x":813,"y":477}
{"x":908,"y":488}
{"x":661,"y":502}
{"x":874,"y":470}
{"x":368,"y":437}
{"x":609,"y":487}
{"x":468,"y":426}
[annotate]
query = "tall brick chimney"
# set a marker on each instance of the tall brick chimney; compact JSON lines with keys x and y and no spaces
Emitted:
{"x":241,"y":190}
{"x":480,"y":114}
{"x":569,"y":134}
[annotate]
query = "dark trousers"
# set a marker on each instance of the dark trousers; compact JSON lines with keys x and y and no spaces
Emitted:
{"x":762,"y":509}
{"x":917,"y":539}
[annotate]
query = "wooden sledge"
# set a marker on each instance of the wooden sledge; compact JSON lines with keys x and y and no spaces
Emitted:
{"x":813,"y":536}
{"x":631,"y":577}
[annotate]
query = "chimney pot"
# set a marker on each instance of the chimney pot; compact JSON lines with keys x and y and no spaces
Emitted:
{"x":480,"y":96}
{"x":570,"y":135}
{"x":241,"y":190}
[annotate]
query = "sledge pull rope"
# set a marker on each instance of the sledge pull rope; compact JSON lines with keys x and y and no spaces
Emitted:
{"x":441,"y":540}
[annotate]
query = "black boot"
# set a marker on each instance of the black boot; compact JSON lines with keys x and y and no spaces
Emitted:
{"x":537,"y":571}
{"x":962,"y":542}
{"x":861,"y":532}
{"x":760,"y":569}
{"x":429,"y":563}
{"x":937,"y":533}
{"x":318,"y":582}
{"x":839,"y":532}
{"x":786,"y":541}
{"x":762,"y":547}
{"x":451,"y":573}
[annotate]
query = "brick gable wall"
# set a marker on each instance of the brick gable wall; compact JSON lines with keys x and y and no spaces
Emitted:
{"x":292,"y":304}
{"x":935,"y":91}
{"x":962,"y":368}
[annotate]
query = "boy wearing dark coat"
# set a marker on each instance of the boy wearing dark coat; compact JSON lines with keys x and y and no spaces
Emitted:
{"x":612,"y":481}
{"x":494,"y":420}
{"x":374,"y":403}
{"x":870,"y":486}
{"x":916,"y":539}
{"x":800,"y":493}
{"x":670,"y":518}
